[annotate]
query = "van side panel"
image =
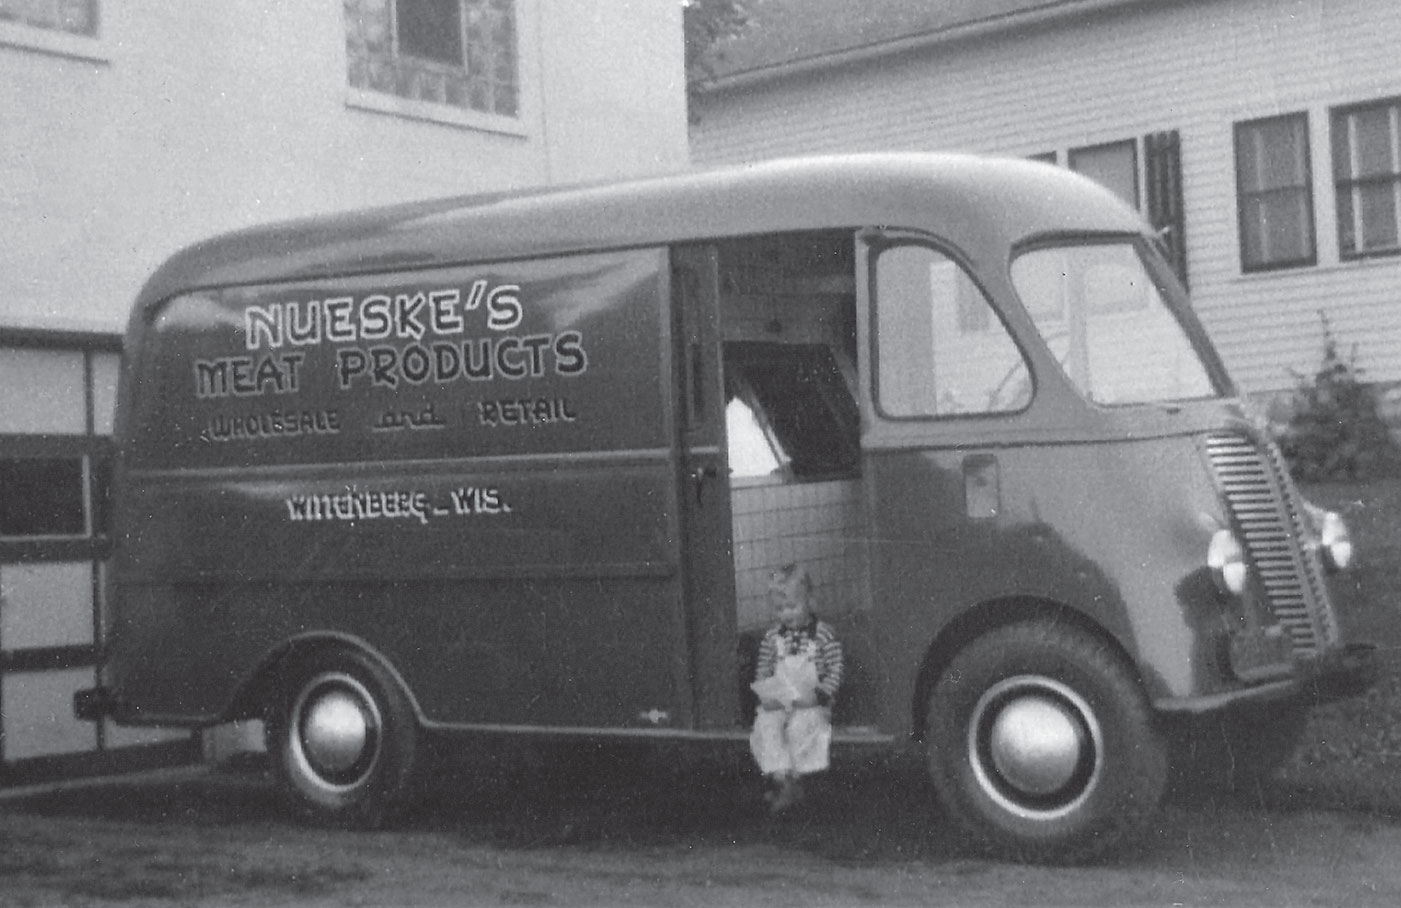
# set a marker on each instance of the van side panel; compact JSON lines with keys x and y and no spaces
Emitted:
{"x":470,"y":469}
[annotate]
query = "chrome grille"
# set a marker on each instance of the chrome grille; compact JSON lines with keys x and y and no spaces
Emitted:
{"x":1271,"y":521}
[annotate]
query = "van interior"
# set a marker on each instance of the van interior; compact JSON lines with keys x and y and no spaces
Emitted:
{"x":788,"y":350}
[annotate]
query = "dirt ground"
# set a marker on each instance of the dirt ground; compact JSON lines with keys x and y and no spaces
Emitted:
{"x":611,"y":830}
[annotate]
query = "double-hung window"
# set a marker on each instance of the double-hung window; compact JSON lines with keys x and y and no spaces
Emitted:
{"x":1274,"y":193}
{"x":1367,"y":176}
{"x":459,"y":53}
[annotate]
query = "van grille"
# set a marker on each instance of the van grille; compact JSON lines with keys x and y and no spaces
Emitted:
{"x":1271,"y":520}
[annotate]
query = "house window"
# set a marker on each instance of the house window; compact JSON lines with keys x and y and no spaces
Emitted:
{"x":76,"y":17}
{"x":1274,"y":194}
{"x":1367,"y":173}
{"x":461,"y":53}
{"x":1114,"y":166}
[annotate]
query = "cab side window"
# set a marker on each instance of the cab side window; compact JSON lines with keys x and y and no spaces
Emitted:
{"x":941,"y":349}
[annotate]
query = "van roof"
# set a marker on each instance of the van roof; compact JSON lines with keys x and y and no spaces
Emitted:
{"x":965,"y":198}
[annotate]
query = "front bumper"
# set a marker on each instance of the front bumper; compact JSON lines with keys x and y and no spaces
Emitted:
{"x":1342,"y":673}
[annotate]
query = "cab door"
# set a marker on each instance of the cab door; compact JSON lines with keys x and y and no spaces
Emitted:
{"x":708,"y":579}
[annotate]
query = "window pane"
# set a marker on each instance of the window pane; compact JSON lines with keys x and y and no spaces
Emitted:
{"x":1276,"y":228}
{"x":42,"y":497}
{"x":1272,"y":154}
{"x":929,"y":365}
{"x":1347,"y":222}
{"x":1378,"y":209}
{"x":1277,"y":154}
{"x":47,"y":603}
{"x":42,"y":391}
{"x":1117,"y":340}
{"x":367,"y":23}
{"x":1371,"y":143}
{"x":105,"y":367}
{"x":430,"y":29}
{"x":1113,"y":166}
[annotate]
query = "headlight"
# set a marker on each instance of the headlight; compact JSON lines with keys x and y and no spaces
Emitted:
{"x":1226,"y":559}
{"x":1336,"y":541}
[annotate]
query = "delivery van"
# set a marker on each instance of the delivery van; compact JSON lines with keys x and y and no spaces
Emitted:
{"x":520,"y":465}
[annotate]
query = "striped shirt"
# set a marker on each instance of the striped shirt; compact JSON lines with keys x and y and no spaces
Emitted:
{"x":817,"y":641}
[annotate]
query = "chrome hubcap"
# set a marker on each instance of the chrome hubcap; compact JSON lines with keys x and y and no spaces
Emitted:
{"x":1035,"y":746}
{"x":336,"y":728}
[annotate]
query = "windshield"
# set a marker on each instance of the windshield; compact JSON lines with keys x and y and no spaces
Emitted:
{"x":1104,"y":318}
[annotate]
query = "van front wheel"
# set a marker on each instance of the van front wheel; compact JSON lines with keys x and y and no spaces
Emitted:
{"x":1042,"y":746}
{"x":343,"y":739}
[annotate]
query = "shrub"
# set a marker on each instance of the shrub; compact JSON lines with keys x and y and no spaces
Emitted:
{"x":1335,"y":430}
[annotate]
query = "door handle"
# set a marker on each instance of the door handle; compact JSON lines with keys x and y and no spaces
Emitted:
{"x":698,"y":477}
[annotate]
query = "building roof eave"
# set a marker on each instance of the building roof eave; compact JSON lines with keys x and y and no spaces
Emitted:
{"x":1050,"y":11}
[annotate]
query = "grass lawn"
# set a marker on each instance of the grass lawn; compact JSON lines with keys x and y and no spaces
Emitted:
{"x":1350,"y":756}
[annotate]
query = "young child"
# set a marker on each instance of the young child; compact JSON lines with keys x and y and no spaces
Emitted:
{"x":797,"y":676}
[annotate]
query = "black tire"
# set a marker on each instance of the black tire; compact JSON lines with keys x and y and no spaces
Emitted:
{"x":1042,"y":746}
{"x":1233,"y":751}
{"x":343,"y":739}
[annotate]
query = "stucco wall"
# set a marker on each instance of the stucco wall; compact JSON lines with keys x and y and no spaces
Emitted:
{"x":186,"y":119}
{"x":1197,"y":67}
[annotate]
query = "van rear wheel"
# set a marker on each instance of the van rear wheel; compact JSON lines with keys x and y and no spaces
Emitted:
{"x":1042,"y":746}
{"x":343,"y":739}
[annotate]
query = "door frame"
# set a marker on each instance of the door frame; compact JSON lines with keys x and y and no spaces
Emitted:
{"x":707,"y":560}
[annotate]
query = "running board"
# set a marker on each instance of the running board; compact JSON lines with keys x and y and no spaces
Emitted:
{"x":844,"y":736}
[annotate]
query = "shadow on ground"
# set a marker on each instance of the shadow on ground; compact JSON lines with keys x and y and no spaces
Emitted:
{"x":617,"y":797}
{"x":605,"y":798}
